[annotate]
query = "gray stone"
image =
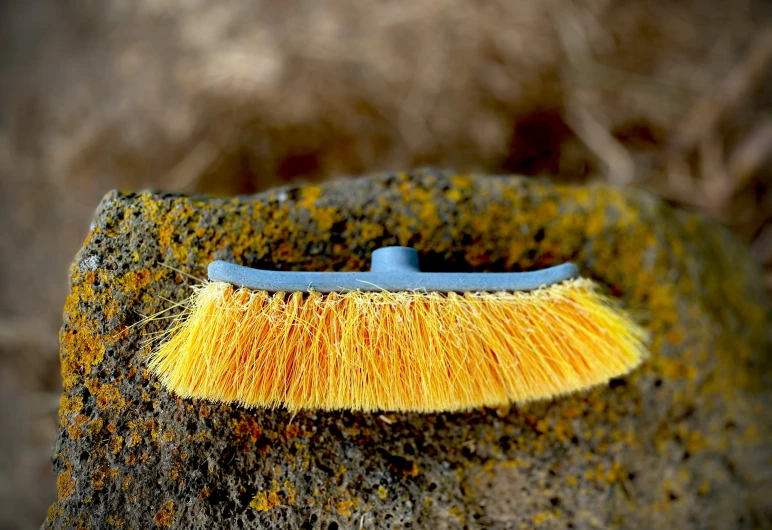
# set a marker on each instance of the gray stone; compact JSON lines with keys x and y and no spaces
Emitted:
{"x":680,"y":443}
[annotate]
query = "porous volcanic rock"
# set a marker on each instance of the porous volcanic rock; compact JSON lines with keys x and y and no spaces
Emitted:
{"x":677,"y":444}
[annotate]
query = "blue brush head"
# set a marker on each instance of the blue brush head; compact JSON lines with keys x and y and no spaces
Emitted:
{"x":392,"y":269}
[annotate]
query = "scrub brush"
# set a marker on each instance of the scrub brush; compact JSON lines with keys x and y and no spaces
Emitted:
{"x":394,"y":338}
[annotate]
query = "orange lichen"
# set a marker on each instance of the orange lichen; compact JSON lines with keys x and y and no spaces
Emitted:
{"x":260,"y":502}
{"x":454,"y":195}
{"x":76,"y":430}
{"x":291,"y":431}
{"x":108,"y":396}
{"x":267,"y":500}
{"x":165,"y":516}
{"x":115,"y":444}
{"x":370,"y":231}
{"x":98,"y":478}
{"x":89,"y":346}
{"x":310,"y":194}
{"x":134,"y":439}
{"x":141,"y":429}
{"x":344,"y":507}
{"x":542,"y":425}
{"x":247,"y":427}
{"x":95,"y":427}
{"x":180,"y":209}
{"x":134,"y":280}
{"x":68,"y":405}
{"x":290,"y":493}
{"x":325,"y":218}
{"x":64,"y":483}
{"x":264,"y":501}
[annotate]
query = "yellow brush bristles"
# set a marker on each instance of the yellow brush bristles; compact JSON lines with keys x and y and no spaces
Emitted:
{"x":395,"y":351}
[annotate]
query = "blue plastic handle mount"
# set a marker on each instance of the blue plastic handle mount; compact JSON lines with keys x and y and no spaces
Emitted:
{"x":392,"y":269}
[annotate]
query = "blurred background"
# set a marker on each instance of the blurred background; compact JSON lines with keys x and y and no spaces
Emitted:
{"x":671,"y":96}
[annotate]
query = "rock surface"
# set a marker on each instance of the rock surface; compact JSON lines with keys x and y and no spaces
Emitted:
{"x":678,"y":444}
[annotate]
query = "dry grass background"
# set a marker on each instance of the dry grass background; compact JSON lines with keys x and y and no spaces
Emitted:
{"x":671,"y":96}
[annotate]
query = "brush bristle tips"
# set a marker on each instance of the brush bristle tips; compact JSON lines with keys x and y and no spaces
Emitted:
{"x":396,"y":351}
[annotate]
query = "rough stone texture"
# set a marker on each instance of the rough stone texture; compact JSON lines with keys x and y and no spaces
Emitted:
{"x":238,"y":96}
{"x":678,"y":444}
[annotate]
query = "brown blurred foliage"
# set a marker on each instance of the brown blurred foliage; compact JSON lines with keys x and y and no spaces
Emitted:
{"x":671,"y":96}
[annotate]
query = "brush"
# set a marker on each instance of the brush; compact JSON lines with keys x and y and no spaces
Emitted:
{"x":394,"y":338}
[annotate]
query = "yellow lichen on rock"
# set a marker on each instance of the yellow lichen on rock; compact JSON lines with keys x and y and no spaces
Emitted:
{"x":648,"y":450}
